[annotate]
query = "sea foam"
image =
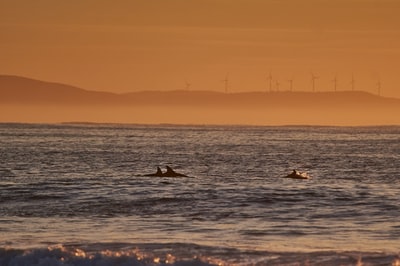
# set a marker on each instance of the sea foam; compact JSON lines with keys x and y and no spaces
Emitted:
{"x":60,"y":255}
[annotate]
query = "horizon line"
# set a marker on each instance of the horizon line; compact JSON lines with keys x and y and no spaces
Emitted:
{"x":88,"y":123}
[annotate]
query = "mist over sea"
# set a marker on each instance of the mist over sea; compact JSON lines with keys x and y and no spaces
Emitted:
{"x":76,"y":194}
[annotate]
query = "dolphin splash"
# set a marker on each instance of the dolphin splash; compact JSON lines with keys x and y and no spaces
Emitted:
{"x":298,"y":175}
{"x":169,"y":173}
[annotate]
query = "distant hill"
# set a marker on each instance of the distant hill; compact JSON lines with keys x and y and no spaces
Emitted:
{"x":262,"y":99}
{"x":34,"y":99}
{"x":20,"y":90}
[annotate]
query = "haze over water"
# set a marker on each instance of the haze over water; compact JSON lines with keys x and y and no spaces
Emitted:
{"x":80,"y":190}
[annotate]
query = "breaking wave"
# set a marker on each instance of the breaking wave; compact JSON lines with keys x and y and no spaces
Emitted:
{"x":181,"y":255}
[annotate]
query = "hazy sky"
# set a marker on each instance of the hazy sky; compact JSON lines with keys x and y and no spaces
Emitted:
{"x":158,"y":44}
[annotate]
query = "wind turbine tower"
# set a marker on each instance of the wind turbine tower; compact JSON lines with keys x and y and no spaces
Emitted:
{"x":379,"y":85}
{"x":353,"y":82}
{"x":335,"y":83}
{"x":187,"y":85}
{"x":313,"y":78}
{"x":277,"y":85}
{"x":291,"y":84}
{"x":270,"y":81}
{"x":226,"y":82}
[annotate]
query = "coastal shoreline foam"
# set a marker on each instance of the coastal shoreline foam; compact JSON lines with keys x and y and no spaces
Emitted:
{"x":181,"y":254}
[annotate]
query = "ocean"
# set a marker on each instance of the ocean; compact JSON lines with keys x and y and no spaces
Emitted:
{"x":78,"y":194}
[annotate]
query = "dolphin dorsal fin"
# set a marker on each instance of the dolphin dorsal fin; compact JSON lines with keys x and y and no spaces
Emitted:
{"x":159,"y":172}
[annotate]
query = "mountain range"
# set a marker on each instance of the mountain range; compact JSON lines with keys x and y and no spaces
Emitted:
{"x":22,"y":93}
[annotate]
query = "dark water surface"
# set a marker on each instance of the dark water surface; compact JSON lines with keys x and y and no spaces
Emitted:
{"x":76,"y":195}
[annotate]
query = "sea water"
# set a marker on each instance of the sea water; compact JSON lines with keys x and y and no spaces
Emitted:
{"x":76,"y":194}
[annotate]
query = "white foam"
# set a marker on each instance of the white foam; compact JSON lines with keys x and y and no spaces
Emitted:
{"x":60,"y":255}
{"x":180,"y":255}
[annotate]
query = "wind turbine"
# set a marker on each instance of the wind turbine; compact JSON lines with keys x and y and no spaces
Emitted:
{"x":379,"y":85}
{"x":313,"y":78}
{"x":269,"y":78}
{"x":277,"y":85}
{"x":226,"y":82}
{"x":335,"y":83}
{"x":291,"y":83}
{"x":352,"y":82}
{"x":187,"y":85}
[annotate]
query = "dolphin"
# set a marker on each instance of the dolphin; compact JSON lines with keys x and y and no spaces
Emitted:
{"x":169,"y":173}
{"x":158,"y":173}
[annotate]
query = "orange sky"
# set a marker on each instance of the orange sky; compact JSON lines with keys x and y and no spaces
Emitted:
{"x":127,"y":45}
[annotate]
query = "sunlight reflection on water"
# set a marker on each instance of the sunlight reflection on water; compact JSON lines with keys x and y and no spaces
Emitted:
{"x":80,"y":184}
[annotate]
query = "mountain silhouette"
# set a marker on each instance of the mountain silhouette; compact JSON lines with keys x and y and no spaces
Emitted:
{"x":20,"y":93}
{"x":21,"y":90}
{"x":14,"y":89}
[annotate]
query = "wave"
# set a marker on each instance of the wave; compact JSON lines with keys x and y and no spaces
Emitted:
{"x":63,"y":255}
{"x":180,"y":255}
